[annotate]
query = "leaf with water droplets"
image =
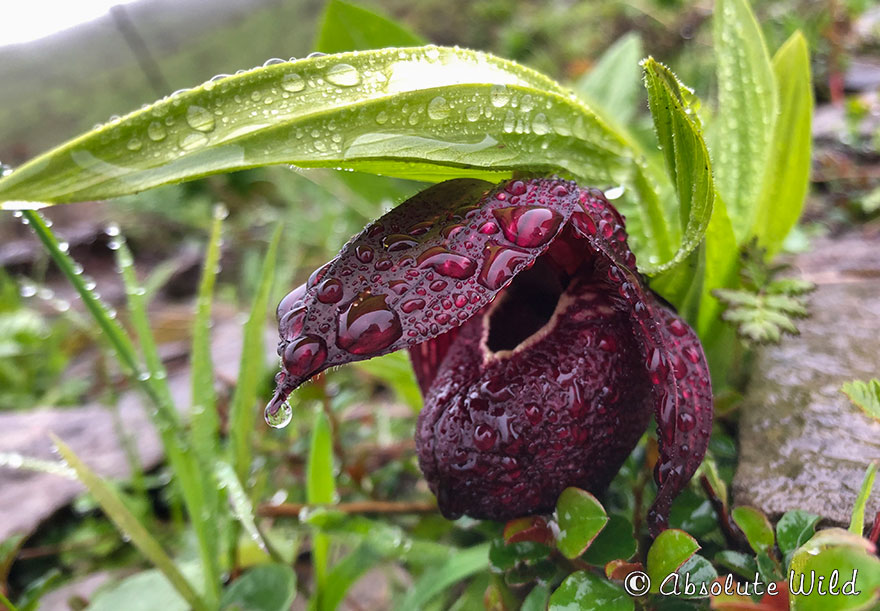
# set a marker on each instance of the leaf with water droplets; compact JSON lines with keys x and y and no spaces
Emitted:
{"x":747,"y":107}
{"x":427,"y":113}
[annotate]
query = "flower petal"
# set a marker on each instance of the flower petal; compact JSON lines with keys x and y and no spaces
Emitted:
{"x":419,"y":271}
{"x":423,"y":277}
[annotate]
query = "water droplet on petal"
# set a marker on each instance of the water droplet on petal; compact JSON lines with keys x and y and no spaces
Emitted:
{"x":304,"y":357}
{"x":484,"y":437}
{"x":499,"y":264}
{"x":398,"y":241}
{"x":363,"y":253}
{"x":367,"y":325}
{"x":330,"y":291}
{"x":528,"y":226}
{"x":448,"y":263}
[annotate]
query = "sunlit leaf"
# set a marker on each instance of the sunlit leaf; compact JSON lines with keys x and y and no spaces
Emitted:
{"x":461,"y":565}
{"x":670,"y":550}
{"x":787,"y":175}
{"x":755,"y":526}
{"x":612,"y":85}
{"x":584,"y":591}
{"x":427,"y":113}
{"x":348,"y":27}
{"x":267,"y":587}
{"x":747,"y":107}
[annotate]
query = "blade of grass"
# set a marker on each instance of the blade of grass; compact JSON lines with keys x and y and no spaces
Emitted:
{"x":320,"y":488}
{"x":461,"y":565}
{"x":204,"y":423}
{"x":857,"y":523}
{"x":242,"y":417}
{"x":6,"y":603}
{"x":195,"y":483}
{"x":242,"y":507}
{"x":129,"y":525}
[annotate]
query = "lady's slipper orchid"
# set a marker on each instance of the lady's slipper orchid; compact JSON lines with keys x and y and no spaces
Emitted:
{"x":539,"y":349}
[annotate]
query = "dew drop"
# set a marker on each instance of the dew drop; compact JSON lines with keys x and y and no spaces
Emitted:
{"x":540,"y":126}
{"x":156,"y":131}
{"x":412,"y":305}
{"x":528,"y":226}
{"x":499,"y":264}
{"x":303,"y":357}
{"x":293,"y":82}
{"x":190,"y":142}
{"x":438,"y":108}
{"x":367,"y":325}
{"x":448,"y":263}
{"x":134,"y":144}
{"x":344,"y":75}
{"x":509,"y":122}
{"x":472,"y":113}
{"x":484,"y":437}
{"x":686,"y":422}
{"x":363,"y":253}
{"x":278,"y":413}
{"x":398,"y":241}
{"x":499,"y":96}
{"x":330,"y":291}
{"x":199,"y":118}
{"x":382,"y":118}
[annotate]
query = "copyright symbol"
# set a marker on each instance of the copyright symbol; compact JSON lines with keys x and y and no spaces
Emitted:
{"x":637,"y":583}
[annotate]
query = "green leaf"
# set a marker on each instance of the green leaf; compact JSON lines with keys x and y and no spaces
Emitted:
{"x":320,"y":488}
{"x":670,"y":550}
{"x":348,"y":27}
{"x":537,"y":599}
{"x":747,"y":107}
{"x":857,"y":523}
{"x":835,"y":551}
{"x":687,"y":159}
{"x":267,"y":587}
{"x":794,"y":529}
{"x":755,"y":526}
{"x":129,"y":525}
{"x":741,"y":564}
{"x":612,"y":86}
{"x":694,"y":575}
{"x":583,"y":590}
{"x":427,"y":113}
{"x":866,"y":395}
{"x":580,"y":517}
{"x":615,"y":541}
{"x":344,"y":575}
{"x":144,"y":591}
{"x":787,"y":175}
{"x":461,"y":565}
{"x":242,"y":417}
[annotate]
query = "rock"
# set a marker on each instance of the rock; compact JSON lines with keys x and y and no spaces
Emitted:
{"x":803,"y":444}
{"x":29,"y":497}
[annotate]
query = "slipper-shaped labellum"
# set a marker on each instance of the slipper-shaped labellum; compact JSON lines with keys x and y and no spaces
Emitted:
{"x":539,"y":349}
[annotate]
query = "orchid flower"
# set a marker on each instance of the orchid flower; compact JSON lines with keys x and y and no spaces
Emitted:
{"x":540,"y":350}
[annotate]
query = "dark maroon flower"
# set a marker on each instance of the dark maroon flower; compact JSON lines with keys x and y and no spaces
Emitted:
{"x":539,"y":349}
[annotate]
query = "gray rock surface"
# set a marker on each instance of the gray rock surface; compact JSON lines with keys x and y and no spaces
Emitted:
{"x":804,"y":445}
